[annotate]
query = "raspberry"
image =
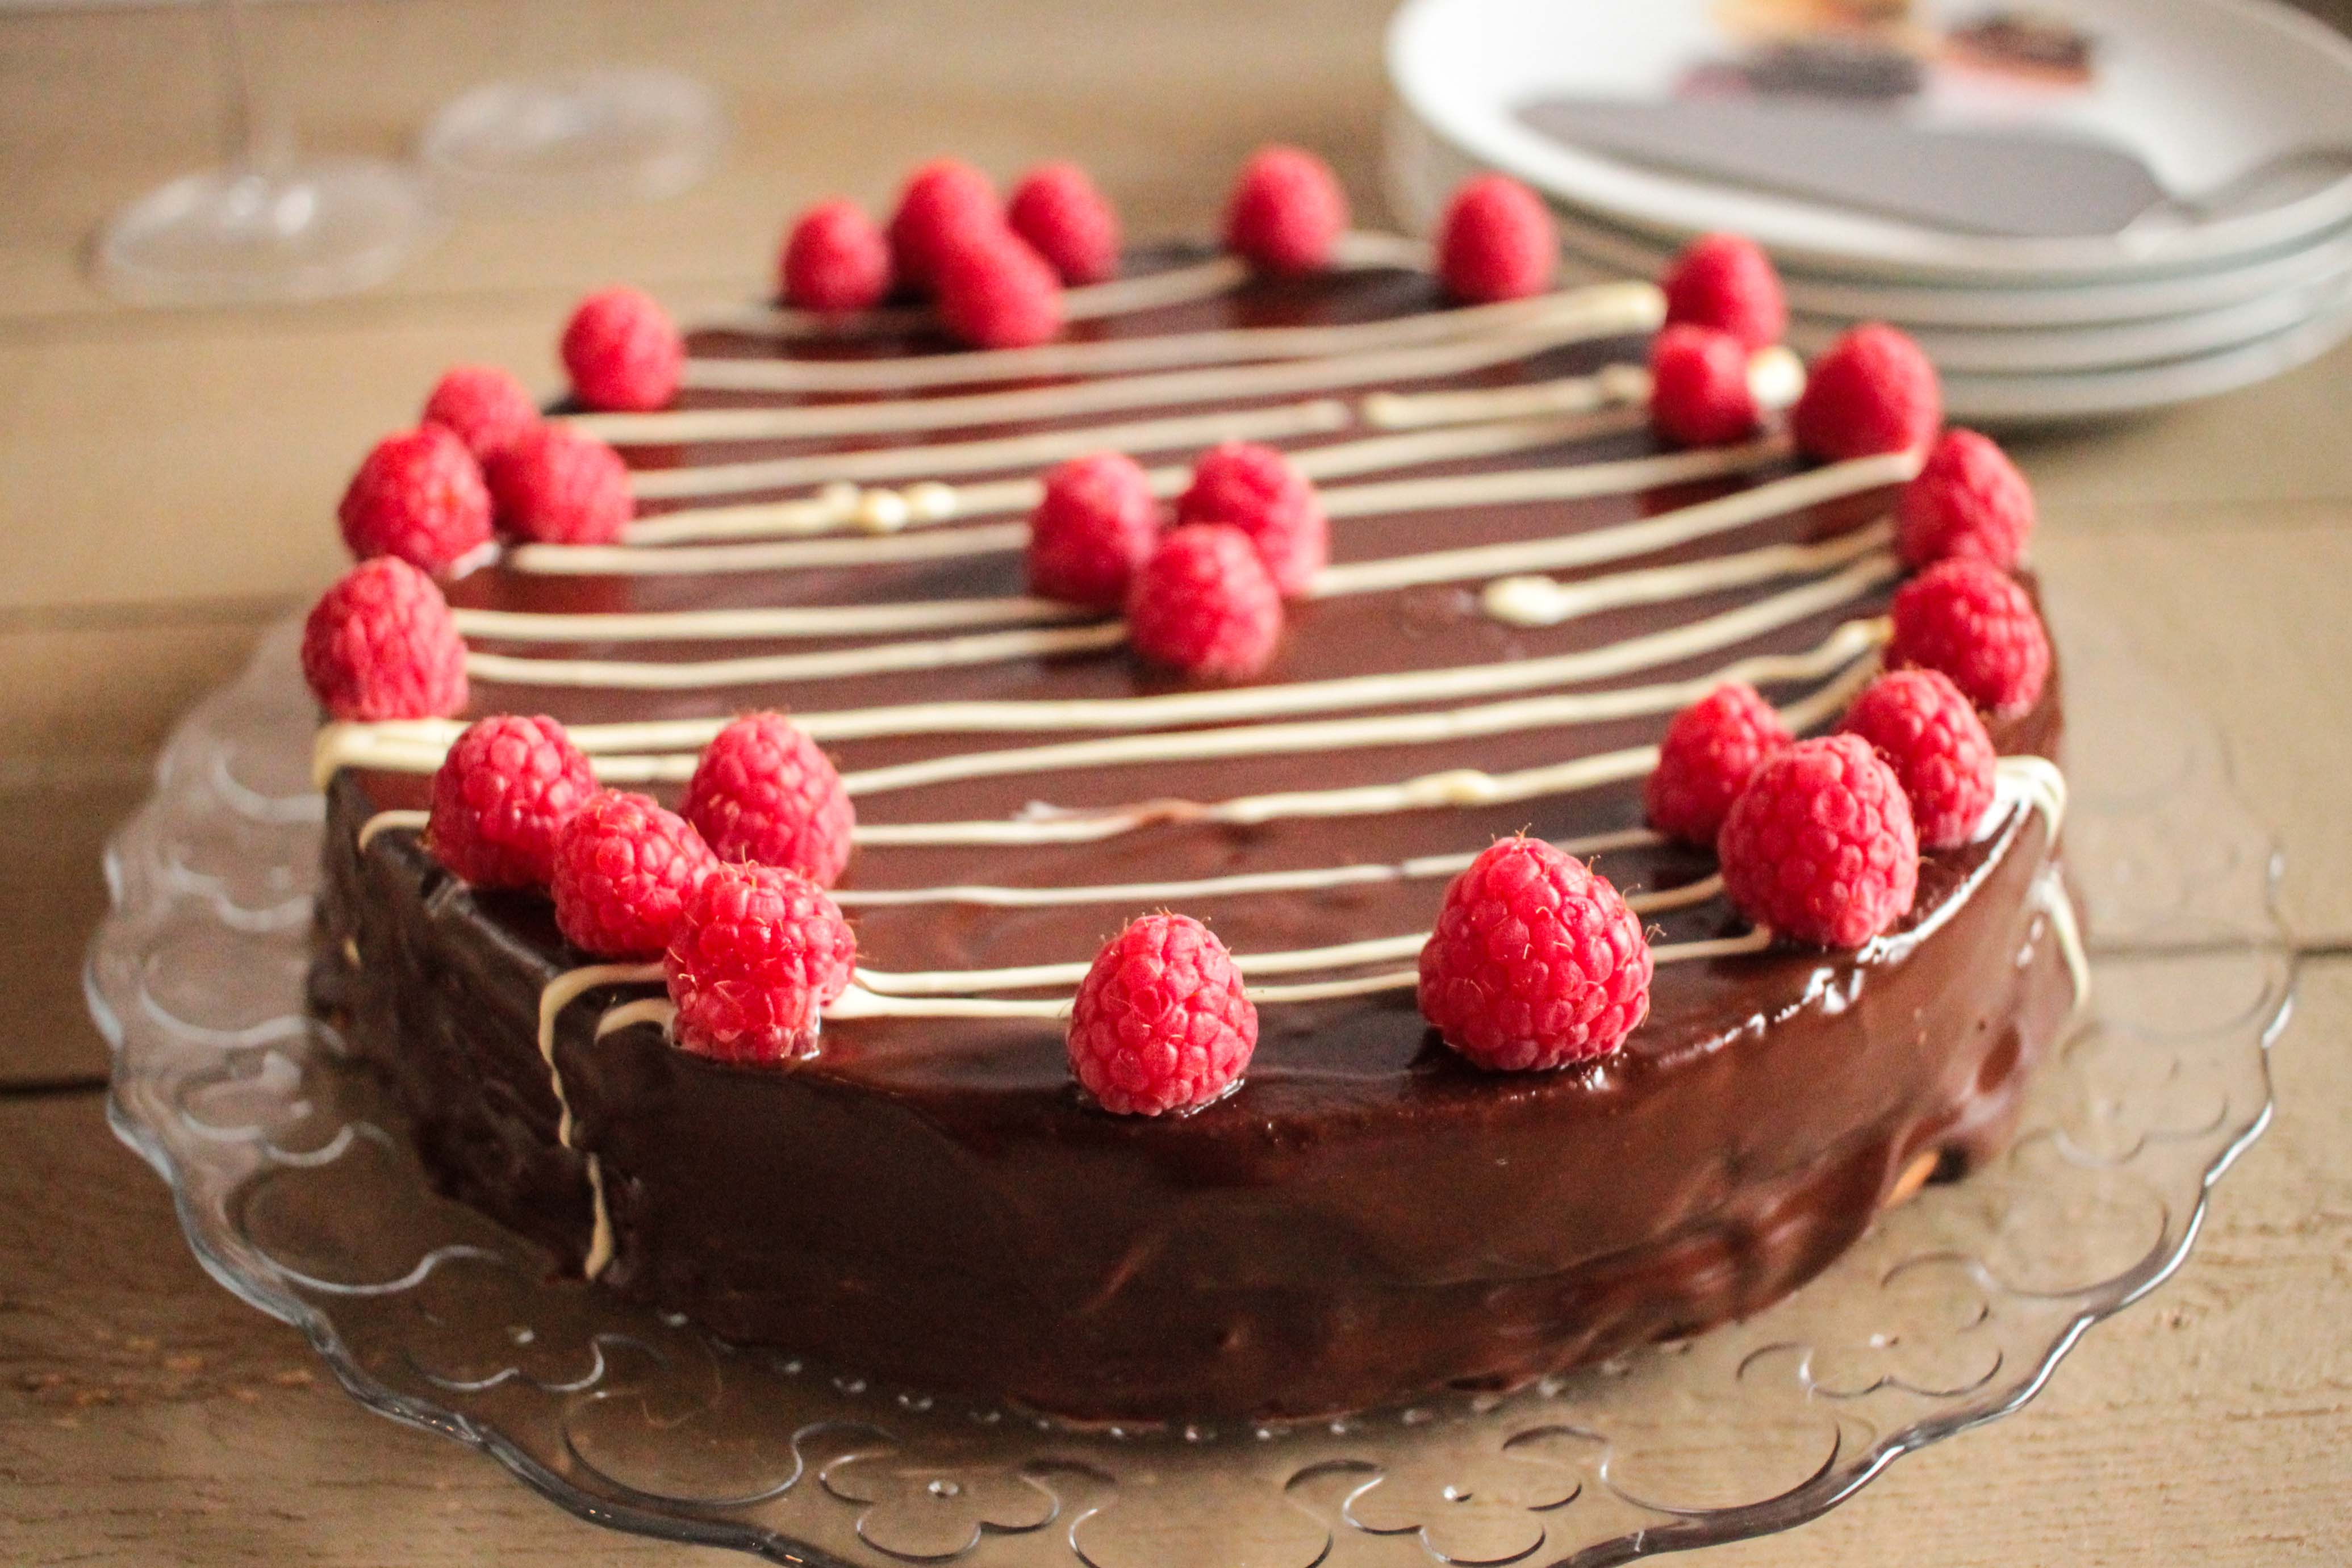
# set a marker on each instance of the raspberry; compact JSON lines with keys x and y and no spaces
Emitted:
{"x":481,"y":405}
{"x":1256,"y":489}
{"x":1968,"y":500}
{"x":946,"y":204}
{"x":1711,"y":750}
{"x":994,"y":292}
{"x":1097,"y":523}
{"x":1872,"y":391}
{"x":1058,"y":209}
{"x":1287,"y":212}
{"x":1821,"y":844}
{"x":1536,"y":961}
{"x":622,"y":351}
{"x":758,"y":951}
{"x":1203,"y":604}
{"x":502,"y":791}
{"x":555,"y":485}
{"x":1699,"y":394}
{"x":1162,"y":1023}
{"x":763,"y":791}
{"x":1979,"y":627}
{"x":418,"y":495}
{"x":1496,"y":242}
{"x":835,"y":259}
{"x":1727,"y":282}
{"x":381,"y":644}
{"x":1919,"y":721}
{"x":623,"y":870}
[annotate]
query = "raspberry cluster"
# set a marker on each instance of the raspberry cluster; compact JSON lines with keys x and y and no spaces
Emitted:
{"x":1712,"y":749}
{"x":379,"y":644}
{"x":506,"y":787}
{"x":1821,"y":845}
{"x":1495,"y":242}
{"x":1726,"y":283}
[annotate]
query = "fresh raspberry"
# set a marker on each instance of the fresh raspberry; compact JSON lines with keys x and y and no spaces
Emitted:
{"x":1162,"y":1023}
{"x":1727,"y":282}
{"x":763,"y":791}
{"x":1711,"y":750}
{"x":1872,"y":391}
{"x":1496,"y":242}
{"x":1927,"y":732}
{"x":504,"y":789}
{"x":418,"y":495}
{"x":758,"y":951}
{"x":1979,"y":627}
{"x":1968,"y":500}
{"x":994,"y":292}
{"x":483,"y":406}
{"x":381,"y":644}
{"x":1062,"y":214}
{"x":1287,"y":212}
{"x":555,"y":485}
{"x":1256,"y":489}
{"x":1699,"y":394}
{"x":837,"y":259}
{"x":945,"y":204}
{"x":1821,"y":845}
{"x":1203,"y":604}
{"x":622,"y":351}
{"x":1097,"y":523}
{"x":623,"y":870}
{"x":1536,"y":961}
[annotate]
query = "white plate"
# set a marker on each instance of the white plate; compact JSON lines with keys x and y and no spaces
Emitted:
{"x":2200,"y":89}
{"x":2041,"y":350}
{"x":1422,"y":171}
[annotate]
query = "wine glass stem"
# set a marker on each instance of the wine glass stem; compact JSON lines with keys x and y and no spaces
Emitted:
{"x":253,"y":138}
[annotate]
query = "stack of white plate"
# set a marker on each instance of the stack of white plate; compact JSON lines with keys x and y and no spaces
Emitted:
{"x":2236,"y":114}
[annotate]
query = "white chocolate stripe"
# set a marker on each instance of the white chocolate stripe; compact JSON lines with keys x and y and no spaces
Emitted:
{"x":1358,"y":251}
{"x":391,"y":821}
{"x":1163,"y":389}
{"x":1024,"y":451}
{"x":416,"y":745}
{"x":1458,"y":787}
{"x":1313,"y":879}
{"x":1296,"y":961}
{"x":827,"y":621}
{"x":1092,"y":302}
{"x":1536,"y":602}
{"x":865,"y":619}
{"x":559,"y":993}
{"x":937,"y":654}
{"x":859,"y":1003}
{"x":925,"y":505}
{"x":1112,"y":355}
{"x":1299,"y":738}
{"x":1659,"y":532}
{"x":1680,"y":525}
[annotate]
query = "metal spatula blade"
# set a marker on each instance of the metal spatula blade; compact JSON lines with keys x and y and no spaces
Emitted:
{"x":2044,"y":183}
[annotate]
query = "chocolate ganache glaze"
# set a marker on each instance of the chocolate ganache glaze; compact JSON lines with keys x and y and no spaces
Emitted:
{"x":1368,"y":1218}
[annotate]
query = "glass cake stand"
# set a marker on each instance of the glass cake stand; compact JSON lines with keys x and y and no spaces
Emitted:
{"x":298,"y":1191}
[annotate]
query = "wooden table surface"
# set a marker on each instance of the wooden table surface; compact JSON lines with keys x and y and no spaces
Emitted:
{"x":167,"y":480}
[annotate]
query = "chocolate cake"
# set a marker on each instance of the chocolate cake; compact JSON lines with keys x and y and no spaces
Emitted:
{"x":1525,"y":584}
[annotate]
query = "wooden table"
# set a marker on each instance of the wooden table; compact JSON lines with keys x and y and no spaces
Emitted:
{"x":166,"y":483}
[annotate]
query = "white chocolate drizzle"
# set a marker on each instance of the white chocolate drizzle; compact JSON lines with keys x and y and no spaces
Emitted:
{"x":416,"y":745}
{"x":1027,"y":450}
{"x":1103,"y":357}
{"x":1456,"y":786}
{"x":558,"y":994}
{"x":389,"y":822}
{"x":825,"y":621}
{"x":1169,"y":389}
